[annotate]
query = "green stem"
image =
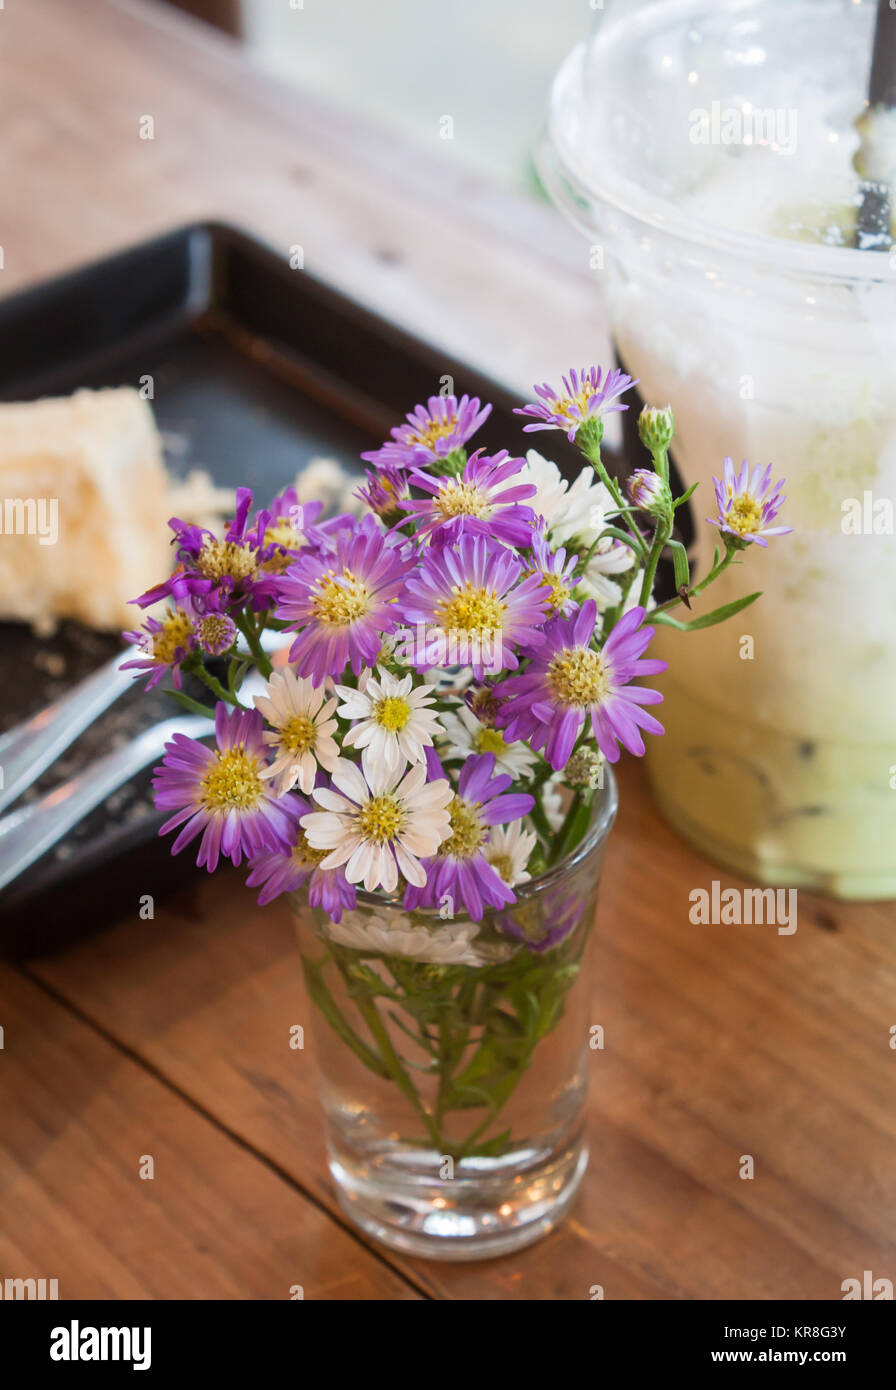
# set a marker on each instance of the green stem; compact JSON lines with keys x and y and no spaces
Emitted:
{"x":370,"y":1014}
{"x":660,"y":536}
{"x":540,"y":820}
{"x":563,"y":832}
{"x":246,"y":624}
{"x":214,"y":685}
{"x":593,"y":455}
{"x":187,"y":702}
{"x":697,"y":589}
{"x":321,"y":996}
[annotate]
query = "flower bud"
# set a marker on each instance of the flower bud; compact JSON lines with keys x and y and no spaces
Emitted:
{"x":216,"y":633}
{"x":585,"y":769}
{"x":656,"y":428}
{"x":646,"y":489}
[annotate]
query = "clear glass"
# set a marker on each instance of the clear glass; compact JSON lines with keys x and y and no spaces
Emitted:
{"x":705,"y":151}
{"x":453,"y":1059}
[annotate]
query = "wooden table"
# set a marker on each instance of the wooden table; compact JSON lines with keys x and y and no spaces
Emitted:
{"x":170,"y":1038}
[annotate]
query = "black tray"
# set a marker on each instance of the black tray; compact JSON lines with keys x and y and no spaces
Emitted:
{"x":257,"y":368}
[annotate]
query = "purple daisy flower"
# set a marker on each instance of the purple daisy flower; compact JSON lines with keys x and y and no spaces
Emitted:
{"x":229,"y":568}
{"x":293,"y":527}
{"x":474,"y":595}
{"x":568,"y":680}
{"x":385,"y":491}
{"x":215,"y":632}
{"x":459,"y":875}
{"x":284,"y":871}
{"x":557,"y":573}
{"x":748,"y":501}
{"x":483,"y":501}
{"x":165,"y":643}
{"x":563,"y":913}
{"x":220,"y":793}
{"x":431,"y":432}
{"x":586,"y":395}
{"x":646,"y":489}
{"x":343,"y":603}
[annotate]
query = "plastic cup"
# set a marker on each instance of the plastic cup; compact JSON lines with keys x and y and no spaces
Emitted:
{"x":721,"y":244}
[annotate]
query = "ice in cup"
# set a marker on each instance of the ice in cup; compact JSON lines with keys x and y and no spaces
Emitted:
{"x":707,"y":153}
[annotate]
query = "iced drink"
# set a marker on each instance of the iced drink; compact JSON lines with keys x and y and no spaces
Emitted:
{"x":707,"y":152}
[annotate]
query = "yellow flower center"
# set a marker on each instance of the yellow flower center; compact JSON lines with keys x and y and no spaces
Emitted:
{"x":558,"y":592}
{"x":233,"y":783}
{"x":471,"y":610}
{"x":563,"y":404}
{"x":282,"y":531}
{"x":219,"y":558}
{"x":381,"y":819}
{"x":340,"y":600}
{"x":467,"y":830}
{"x":502,"y":864}
{"x":744,"y":515}
{"x":304,"y":854}
{"x":213,"y":629}
{"x":489,"y":741}
{"x":434,"y":430}
{"x":387,"y":505}
{"x":462,"y":499}
{"x":298,"y":733}
{"x":176,"y":630}
{"x":578,"y":676}
{"x":392,"y":713}
{"x":484,"y":705}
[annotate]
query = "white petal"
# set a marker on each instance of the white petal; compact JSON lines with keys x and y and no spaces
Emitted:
{"x":332,"y":801}
{"x":412,"y":869}
{"x":348,"y":779}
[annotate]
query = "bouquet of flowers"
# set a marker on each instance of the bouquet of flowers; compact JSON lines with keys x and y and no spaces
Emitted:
{"x":464,"y":658}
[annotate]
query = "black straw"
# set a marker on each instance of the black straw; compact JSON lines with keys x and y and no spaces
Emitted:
{"x":873,"y":221}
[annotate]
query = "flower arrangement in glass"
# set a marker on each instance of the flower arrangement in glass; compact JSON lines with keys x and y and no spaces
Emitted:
{"x":426,"y":776}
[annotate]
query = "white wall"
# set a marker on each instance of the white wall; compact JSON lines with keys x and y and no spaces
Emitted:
{"x":485,"y":63}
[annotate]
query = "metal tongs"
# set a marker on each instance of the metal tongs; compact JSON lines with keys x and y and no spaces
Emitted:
{"x":32,"y":746}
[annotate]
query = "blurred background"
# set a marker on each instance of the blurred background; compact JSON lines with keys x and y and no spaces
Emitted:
{"x":409,"y":63}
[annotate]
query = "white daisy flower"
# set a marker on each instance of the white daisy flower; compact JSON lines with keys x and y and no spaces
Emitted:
{"x":508,"y":850}
{"x":394,"y":724}
{"x":302,"y":730}
{"x":449,"y":679}
{"x":550,"y":487}
{"x":581,"y":510}
{"x":589,"y":509}
{"x":610,"y":557}
{"x":377,"y":825}
{"x":466,"y":734}
{"x":552,"y":803}
{"x":398,"y":936}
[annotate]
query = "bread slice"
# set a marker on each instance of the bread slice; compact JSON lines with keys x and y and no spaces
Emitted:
{"x":83,"y":508}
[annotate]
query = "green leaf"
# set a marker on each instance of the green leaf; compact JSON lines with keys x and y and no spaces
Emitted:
{"x":492,"y":1148}
{"x":616,"y":534}
{"x":685,"y":496}
{"x":718,"y":615}
{"x":680,"y":563}
{"x":321,"y":996}
{"x":187,"y":702}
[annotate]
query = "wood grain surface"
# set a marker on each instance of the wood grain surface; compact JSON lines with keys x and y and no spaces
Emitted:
{"x":171,"y":1037}
{"x":719,"y":1042}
